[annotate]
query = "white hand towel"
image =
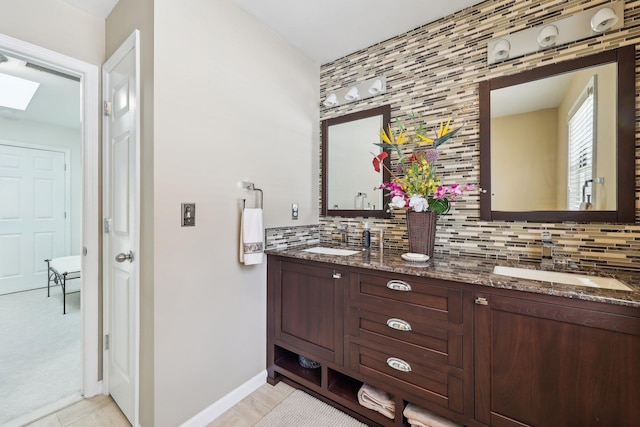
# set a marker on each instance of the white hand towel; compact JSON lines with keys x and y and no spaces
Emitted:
{"x":420,"y":417}
{"x":251,"y":236}
{"x":377,"y":400}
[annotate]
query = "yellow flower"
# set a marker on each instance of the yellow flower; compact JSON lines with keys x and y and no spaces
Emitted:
{"x":423,"y":139}
{"x":390,"y":138}
{"x":444,"y":129}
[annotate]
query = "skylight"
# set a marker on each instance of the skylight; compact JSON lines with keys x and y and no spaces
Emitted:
{"x":15,"y":92}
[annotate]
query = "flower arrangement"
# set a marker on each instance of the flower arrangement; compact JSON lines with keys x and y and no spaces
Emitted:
{"x":415,"y":183}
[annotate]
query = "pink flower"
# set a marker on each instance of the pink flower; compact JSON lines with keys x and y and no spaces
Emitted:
{"x":440,"y":193}
{"x":452,"y":192}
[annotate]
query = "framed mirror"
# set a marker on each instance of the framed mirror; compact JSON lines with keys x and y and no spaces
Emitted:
{"x":557,"y":143}
{"x":349,"y":182}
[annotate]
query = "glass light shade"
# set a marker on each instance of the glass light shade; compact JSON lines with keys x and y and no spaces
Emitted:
{"x":352,"y":94}
{"x":501,"y":50}
{"x":604,"y":19}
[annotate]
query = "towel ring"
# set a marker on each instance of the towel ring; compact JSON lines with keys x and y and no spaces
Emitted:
{"x":250,"y":186}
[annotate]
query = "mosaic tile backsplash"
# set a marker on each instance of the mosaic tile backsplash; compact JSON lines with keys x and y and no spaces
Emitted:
{"x":434,"y":70}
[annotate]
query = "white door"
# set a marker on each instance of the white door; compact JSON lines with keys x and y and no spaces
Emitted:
{"x":33,"y":219}
{"x":122,"y":194}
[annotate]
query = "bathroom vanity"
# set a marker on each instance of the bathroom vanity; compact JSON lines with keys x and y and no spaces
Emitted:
{"x":454,"y":338}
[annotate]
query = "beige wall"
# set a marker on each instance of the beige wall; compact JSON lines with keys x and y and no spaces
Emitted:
{"x":127,"y":16}
{"x":55,"y":25}
{"x":522,"y":145}
{"x":233,"y":101}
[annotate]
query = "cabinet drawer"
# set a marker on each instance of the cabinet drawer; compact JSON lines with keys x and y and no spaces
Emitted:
{"x":421,"y":378}
{"x":407,"y":294}
{"x":409,"y":334}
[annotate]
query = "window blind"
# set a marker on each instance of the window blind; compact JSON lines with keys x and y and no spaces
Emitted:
{"x":581,"y":156}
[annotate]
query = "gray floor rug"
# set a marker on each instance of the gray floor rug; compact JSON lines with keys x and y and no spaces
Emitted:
{"x":40,"y":350}
{"x":302,"y":410}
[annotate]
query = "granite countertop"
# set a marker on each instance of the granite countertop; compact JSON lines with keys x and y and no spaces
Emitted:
{"x":478,"y":271}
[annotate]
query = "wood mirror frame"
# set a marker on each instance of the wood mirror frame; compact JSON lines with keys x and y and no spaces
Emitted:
{"x":624,"y":57}
{"x":385,"y":112}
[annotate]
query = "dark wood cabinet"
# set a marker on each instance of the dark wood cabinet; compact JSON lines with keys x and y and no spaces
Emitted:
{"x":546,"y":363}
{"x":309,"y":310}
{"x":410,"y":335}
{"x":476,"y":355}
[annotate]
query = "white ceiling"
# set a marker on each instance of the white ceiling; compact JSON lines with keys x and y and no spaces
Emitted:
{"x":326,"y":30}
{"x":99,"y":8}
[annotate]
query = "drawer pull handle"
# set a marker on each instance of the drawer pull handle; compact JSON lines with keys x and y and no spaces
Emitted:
{"x":482,"y":301}
{"x":337,"y":275}
{"x":398,"y":324}
{"x":398,"y":364}
{"x":398,"y":285}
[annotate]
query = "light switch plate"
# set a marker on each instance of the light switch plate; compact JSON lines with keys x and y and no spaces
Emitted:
{"x":188,"y":214}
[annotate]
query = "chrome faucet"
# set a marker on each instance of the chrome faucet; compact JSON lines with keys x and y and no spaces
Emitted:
{"x":344,"y":234}
{"x":547,"y":250}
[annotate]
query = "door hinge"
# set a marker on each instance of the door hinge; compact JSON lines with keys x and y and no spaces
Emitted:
{"x":107,"y":108}
{"x":65,"y":215}
{"x":106,"y":342}
{"x":106,"y":225}
{"x":65,"y":166}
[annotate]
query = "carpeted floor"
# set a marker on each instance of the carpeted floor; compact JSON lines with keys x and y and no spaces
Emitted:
{"x":302,"y":410}
{"x":40,"y":350}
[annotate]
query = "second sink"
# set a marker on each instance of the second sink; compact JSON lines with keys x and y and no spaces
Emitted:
{"x":331,"y":251}
{"x":565,"y":278}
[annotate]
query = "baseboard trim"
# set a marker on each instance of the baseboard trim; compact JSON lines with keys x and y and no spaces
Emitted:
{"x":225,"y":403}
{"x":93,"y":389}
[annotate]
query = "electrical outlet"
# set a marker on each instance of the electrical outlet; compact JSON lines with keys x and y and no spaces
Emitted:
{"x":294,"y":211}
{"x":188,"y":214}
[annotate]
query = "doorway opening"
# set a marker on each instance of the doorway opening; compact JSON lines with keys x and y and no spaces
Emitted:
{"x":48,"y":168}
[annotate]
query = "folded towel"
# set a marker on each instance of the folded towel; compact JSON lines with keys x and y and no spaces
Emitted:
{"x":420,"y":417}
{"x":377,"y":400}
{"x":251,"y":236}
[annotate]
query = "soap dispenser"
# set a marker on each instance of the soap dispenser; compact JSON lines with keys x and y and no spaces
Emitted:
{"x":366,"y":236}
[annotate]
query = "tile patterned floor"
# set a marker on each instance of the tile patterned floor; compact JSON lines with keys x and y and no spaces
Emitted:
{"x":101,"y":411}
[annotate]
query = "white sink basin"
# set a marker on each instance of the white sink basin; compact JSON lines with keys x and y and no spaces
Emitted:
{"x":566,"y":278}
{"x":331,"y":251}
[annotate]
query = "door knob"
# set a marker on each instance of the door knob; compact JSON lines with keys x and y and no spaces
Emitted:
{"x":124,"y":257}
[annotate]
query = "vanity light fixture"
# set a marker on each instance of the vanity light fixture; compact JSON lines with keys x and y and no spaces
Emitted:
{"x":604,"y":19}
{"x":376,"y":87}
{"x":569,"y":29}
{"x":547,"y":36}
{"x":331,"y":101}
{"x":352,"y":94}
{"x":501,"y":50}
{"x":355,"y":92}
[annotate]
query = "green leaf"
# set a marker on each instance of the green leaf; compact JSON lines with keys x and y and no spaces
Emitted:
{"x":445,"y":138}
{"x":441,"y":206}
